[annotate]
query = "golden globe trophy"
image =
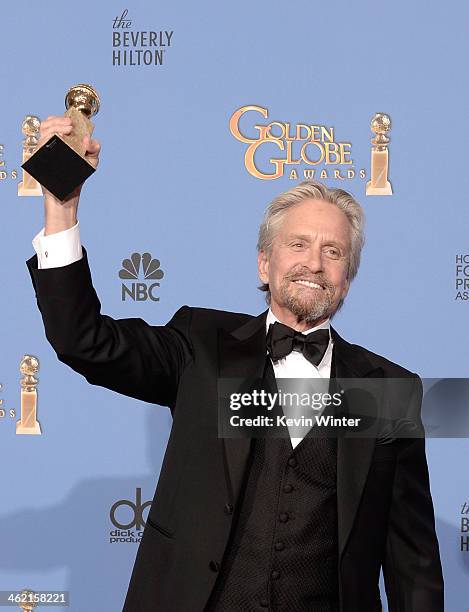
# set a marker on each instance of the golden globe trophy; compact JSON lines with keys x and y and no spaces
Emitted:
{"x":60,"y":164}
{"x":30,"y":128}
{"x":379,"y":184}
{"x":28,"y":424}
{"x":28,"y":604}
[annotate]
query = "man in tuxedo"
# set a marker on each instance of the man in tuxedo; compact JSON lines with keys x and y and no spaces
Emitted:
{"x":297,"y":524}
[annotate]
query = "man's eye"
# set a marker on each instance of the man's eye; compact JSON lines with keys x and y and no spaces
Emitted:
{"x":298,"y":245}
{"x":333,"y":252}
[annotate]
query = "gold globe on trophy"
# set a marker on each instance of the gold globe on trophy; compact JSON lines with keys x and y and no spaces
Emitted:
{"x":379,"y":183}
{"x":30,"y":128}
{"x":60,"y":164}
{"x":81,"y":102}
{"x":28,"y":424}
{"x":29,"y":604}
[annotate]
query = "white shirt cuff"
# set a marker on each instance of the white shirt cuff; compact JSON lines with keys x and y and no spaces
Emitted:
{"x":59,"y":249}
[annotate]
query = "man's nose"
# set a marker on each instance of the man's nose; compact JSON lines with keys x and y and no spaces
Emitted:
{"x":314,"y":260}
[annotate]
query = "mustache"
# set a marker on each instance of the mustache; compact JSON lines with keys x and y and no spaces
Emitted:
{"x":306,"y":274}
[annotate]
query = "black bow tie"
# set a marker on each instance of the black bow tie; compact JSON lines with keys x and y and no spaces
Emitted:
{"x":282,"y":340}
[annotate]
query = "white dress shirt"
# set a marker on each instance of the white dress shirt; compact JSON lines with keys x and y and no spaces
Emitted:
{"x":64,"y":248}
{"x":295,"y":365}
{"x":59,"y":249}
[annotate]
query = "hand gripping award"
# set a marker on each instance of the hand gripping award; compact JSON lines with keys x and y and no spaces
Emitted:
{"x":60,"y":164}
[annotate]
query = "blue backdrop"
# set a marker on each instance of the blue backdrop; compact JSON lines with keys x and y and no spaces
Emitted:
{"x":172,"y":182}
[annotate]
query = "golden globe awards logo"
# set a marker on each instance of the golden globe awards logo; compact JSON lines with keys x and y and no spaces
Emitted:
{"x":4,"y":172}
{"x":5,"y":412}
{"x":277,"y":148}
{"x":28,"y":383}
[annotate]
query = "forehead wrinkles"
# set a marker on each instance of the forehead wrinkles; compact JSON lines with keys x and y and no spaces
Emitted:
{"x":308,"y":221}
{"x":318,"y":237}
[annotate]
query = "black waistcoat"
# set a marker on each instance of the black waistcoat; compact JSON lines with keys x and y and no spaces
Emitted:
{"x":282,"y":553}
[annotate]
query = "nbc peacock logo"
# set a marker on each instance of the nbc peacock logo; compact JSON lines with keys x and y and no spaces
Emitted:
{"x":145,"y":268}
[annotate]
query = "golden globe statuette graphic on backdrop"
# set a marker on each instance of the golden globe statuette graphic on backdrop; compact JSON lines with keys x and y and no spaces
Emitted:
{"x":28,"y":424}
{"x":30,"y":128}
{"x":379,"y":184}
{"x":60,"y":164}
{"x":28,"y":604}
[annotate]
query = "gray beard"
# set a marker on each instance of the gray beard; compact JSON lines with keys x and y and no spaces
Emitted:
{"x":310,"y":310}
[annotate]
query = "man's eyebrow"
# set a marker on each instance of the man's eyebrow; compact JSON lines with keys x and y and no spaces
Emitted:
{"x":298,"y":237}
{"x":307,"y":238}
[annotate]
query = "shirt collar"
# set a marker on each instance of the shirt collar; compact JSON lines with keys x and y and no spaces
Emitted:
{"x":327,"y":358}
{"x":271,"y":318}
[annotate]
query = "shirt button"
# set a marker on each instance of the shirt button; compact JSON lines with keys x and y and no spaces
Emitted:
{"x":287,"y":488}
{"x":214,"y":566}
{"x":283,"y":517}
{"x":228,"y":509}
{"x":264,"y":603}
{"x":292,"y":462}
{"x":46,"y":253}
{"x":275,"y":575}
{"x":279,"y":546}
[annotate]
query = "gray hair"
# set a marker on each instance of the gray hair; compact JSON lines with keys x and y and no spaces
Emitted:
{"x":315,"y":190}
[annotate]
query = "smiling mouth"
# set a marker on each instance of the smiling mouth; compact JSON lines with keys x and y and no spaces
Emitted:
{"x":307,"y":283}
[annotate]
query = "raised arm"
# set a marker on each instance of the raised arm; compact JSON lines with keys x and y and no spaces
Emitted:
{"x":127,"y":355}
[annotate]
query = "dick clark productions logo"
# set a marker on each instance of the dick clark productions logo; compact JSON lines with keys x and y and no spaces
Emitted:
{"x":131,"y":268}
{"x":130,"y":527}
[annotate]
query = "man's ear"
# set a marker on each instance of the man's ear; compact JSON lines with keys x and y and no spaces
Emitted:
{"x":263,"y":266}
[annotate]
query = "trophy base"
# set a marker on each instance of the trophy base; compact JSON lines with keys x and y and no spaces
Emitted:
{"x":384,"y":191}
{"x":28,"y":191}
{"x":35,"y":430}
{"x":58,"y":167}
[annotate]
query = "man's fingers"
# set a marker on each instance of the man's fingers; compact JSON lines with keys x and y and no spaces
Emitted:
{"x":45,"y":136}
{"x":54,"y":125}
{"x":62,"y":126}
{"x":93,"y":148}
{"x":55,"y":129}
{"x":53,"y":122}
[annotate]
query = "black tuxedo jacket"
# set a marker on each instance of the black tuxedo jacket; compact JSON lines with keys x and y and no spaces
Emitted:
{"x":385,"y":513}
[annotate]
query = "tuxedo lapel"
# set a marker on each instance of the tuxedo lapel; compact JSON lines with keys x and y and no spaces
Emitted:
{"x":241,"y":354}
{"x":353,"y":454}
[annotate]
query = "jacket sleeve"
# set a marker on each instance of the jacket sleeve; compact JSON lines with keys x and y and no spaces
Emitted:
{"x":412,"y":569}
{"x":126,"y":355}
